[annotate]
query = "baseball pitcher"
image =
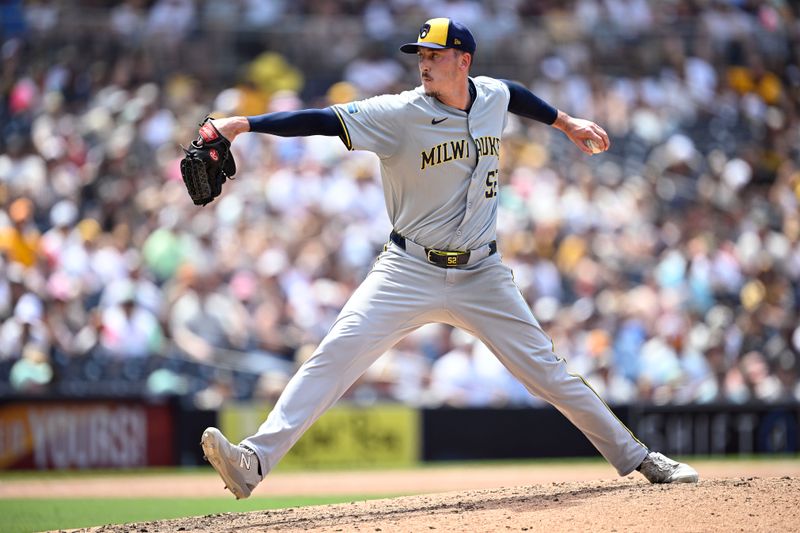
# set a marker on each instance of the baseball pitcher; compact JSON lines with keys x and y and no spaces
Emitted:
{"x":439,"y":149}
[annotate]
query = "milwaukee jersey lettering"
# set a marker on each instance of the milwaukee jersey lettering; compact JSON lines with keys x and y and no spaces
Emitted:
{"x":439,"y":165}
{"x":444,"y":152}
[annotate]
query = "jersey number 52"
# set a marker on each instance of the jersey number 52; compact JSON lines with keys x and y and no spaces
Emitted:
{"x":491,"y":183}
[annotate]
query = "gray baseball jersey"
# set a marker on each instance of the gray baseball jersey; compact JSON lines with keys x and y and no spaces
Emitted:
{"x":439,"y":164}
{"x":439,"y":167}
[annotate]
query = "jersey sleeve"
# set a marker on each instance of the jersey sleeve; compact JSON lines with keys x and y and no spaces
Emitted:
{"x":494,"y":87}
{"x":373,"y":124}
{"x":498,"y":92}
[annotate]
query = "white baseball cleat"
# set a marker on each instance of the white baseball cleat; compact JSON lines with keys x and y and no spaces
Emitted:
{"x":658,"y":468}
{"x":236,"y":465}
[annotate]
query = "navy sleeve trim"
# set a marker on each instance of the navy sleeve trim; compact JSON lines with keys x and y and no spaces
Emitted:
{"x":299,"y":123}
{"x":524,"y":103}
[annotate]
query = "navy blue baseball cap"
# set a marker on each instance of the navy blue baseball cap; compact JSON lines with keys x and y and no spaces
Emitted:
{"x":440,"y":33}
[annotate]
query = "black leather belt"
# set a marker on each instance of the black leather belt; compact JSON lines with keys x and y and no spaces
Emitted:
{"x":442,"y":258}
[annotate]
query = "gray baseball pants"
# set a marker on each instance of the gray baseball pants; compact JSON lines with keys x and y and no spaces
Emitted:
{"x":402,"y":293}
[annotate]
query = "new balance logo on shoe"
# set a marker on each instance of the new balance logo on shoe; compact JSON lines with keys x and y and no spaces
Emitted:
{"x":233,"y":463}
{"x":244,"y":462}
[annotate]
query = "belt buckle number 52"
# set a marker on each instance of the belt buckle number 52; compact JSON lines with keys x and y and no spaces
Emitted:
{"x":450,"y":258}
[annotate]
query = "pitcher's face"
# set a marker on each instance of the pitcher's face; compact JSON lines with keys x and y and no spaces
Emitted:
{"x":441,"y":70}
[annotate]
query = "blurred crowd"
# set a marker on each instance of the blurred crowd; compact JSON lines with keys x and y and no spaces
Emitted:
{"x":667,"y":270}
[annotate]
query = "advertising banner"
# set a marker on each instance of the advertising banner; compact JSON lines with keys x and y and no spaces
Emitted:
{"x":720,"y":429}
{"x":85,"y":435}
{"x":345,"y":436}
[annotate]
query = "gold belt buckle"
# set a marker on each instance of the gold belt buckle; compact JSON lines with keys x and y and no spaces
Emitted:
{"x":451,"y":259}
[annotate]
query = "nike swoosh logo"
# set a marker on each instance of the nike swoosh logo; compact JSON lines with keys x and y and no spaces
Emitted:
{"x":435,"y":121}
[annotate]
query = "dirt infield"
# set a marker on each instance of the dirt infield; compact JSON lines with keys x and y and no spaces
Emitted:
{"x":743,"y":504}
{"x":731,"y":496}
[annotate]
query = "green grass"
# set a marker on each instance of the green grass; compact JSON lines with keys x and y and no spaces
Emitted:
{"x":26,"y":515}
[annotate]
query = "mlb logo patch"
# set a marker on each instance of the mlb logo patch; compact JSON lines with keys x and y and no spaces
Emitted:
{"x":352,"y":108}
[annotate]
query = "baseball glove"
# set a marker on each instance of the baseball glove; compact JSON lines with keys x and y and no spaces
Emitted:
{"x":208,"y":164}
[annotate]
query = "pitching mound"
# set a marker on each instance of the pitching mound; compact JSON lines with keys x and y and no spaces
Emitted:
{"x":629,"y":504}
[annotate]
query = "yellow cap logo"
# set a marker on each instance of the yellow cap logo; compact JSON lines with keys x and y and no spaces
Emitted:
{"x":434,"y":31}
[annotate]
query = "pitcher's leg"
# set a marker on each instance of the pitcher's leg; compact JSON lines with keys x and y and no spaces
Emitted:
{"x":344,"y":355}
{"x":394,"y":300}
{"x":490,"y":306}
